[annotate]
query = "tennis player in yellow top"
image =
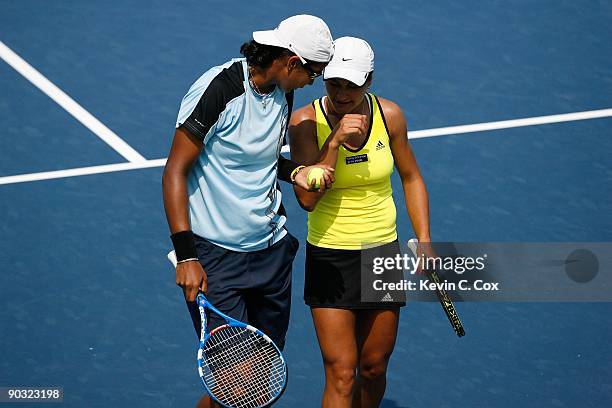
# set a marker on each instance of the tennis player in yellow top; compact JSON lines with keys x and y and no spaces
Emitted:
{"x":363,"y":137}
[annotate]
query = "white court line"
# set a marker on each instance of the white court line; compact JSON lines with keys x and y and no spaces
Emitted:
{"x":507,"y":124}
{"x":417,"y":134}
{"x":81,"y":171}
{"x":69,"y":104}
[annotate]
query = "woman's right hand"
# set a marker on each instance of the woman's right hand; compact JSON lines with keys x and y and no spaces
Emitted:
{"x":190,"y":276}
{"x":351,"y":125}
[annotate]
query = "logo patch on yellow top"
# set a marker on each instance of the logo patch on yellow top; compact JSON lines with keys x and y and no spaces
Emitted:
{"x":360,"y":158}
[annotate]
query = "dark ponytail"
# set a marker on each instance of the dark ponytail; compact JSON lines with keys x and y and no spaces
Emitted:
{"x":260,"y":55}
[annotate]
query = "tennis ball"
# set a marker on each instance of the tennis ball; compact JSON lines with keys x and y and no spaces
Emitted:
{"x":315,"y":175}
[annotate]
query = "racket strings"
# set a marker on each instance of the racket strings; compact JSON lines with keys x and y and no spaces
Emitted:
{"x":245,"y":368}
{"x":241,"y":368}
{"x":255,"y":396}
{"x":244,"y":385}
{"x":272,"y":381}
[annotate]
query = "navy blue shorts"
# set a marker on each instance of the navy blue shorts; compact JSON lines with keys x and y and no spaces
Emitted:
{"x":253,"y":287}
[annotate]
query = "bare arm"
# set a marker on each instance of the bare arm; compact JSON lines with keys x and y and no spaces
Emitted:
{"x":415,"y":192}
{"x":184,"y":152}
{"x":305,"y":149}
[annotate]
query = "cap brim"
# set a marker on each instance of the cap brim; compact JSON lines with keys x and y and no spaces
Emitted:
{"x":356,"y":77}
{"x":268,"y":37}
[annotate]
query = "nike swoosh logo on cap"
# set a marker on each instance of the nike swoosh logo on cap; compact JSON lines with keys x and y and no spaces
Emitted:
{"x":346,"y":59}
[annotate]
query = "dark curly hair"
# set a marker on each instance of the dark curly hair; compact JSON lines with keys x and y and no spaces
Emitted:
{"x":262,"y":56}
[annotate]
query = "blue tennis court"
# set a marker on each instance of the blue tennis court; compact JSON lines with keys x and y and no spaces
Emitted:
{"x":88,"y":99}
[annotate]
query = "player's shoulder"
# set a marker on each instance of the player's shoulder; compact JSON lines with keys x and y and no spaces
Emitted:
{"x":222,"y":81}
{"x":393,"y":117}
{"x":227,"y":78}
{"x":303,"y":115}
{"x":391,"y":110}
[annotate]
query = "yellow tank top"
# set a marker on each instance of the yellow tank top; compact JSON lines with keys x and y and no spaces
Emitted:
{"x":358,"y":210}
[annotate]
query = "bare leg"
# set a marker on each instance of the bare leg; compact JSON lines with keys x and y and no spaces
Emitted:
{"x":377,"y":331}
{"x":336,"y":333}
{"x":206,"y":402}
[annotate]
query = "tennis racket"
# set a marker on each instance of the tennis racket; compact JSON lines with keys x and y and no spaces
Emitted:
{"x":238,"y":364}
{"x":445,"y":300}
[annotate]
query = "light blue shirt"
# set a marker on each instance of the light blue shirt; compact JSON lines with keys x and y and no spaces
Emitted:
{"x":234,"y":197}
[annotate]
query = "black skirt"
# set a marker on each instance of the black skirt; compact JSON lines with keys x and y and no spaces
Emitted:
{"x":334,"y":277}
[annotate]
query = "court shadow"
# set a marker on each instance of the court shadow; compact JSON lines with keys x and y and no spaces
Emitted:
{"x":387,"y":403}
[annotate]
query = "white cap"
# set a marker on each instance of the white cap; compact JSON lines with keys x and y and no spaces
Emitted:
{"x":307,"y":36}
{"x":353,"y":60}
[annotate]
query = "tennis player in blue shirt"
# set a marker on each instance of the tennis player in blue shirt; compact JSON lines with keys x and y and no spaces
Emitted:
{"x":220,"y":183}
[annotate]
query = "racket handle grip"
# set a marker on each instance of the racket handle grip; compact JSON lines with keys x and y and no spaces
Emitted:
{"x":412,"y":245}
{"x":172,"y":257}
